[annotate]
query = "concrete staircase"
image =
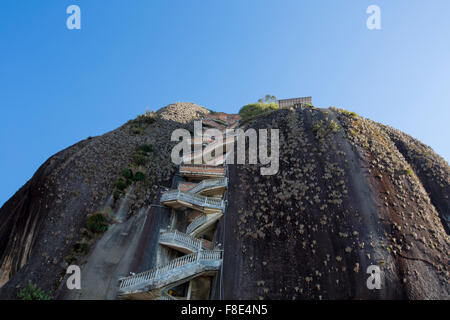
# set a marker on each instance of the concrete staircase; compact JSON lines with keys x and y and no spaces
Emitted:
{"x":203,"y":191}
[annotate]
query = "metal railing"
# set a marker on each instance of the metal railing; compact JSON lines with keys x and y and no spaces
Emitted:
{"x":157,"y":273}
{"x":212,"y":123}
{"x":193,"y":198}
{"x":166,"y":296}
{"x":209,"y":183}
{"x":205,"y":170}
{"x":209,"y":148}
{"x":197,"y":222}
{"x":176,"y":237}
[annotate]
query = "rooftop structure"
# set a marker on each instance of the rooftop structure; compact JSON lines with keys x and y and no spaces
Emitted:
{"x":294,"y":102}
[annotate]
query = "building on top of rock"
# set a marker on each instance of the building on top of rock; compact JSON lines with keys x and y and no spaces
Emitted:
{"x":294,"y":102}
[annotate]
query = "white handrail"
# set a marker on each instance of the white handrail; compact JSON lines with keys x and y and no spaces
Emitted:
{"x":221,"y":182}
{"x":193,"y":198}
{"x":205,"y":171}
{"x":197,"y":222}
{"x":183,"y":239}
{"x":157,"y":273}
{"x":209,"y":147}
{"x":213,"y":124}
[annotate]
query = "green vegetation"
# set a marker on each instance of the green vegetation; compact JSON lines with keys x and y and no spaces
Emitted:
{"x":121,"y":184}
{"x":139,"y":159}
{"x":350,"y":114}
{"x":127,"y":174}
{"x":138,"y":125}
{"x":70,"y":259}
{"x":145,"y":148}
{"x":81,"y":248}
{"x":137,"y":130}
{"x":139,"y":176}
{"x":322,"y":130}
{"x":97,"y":223}
{"x":31,"y":292}
{"x":268,"y":99}
{"x":117,"y":194}
{"x":333,"y":126}
{"x":266,"y":104}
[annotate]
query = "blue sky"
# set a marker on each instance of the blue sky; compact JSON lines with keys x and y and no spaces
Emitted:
{"x":58,"y":86}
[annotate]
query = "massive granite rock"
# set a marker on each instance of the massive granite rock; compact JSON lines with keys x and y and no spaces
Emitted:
{"x":349,"y":193}
{"x":44,"y":222}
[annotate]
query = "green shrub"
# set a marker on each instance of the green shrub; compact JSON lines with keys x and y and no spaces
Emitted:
{"x":81,"y":248}
{"x":139,"y":176}
{"x":127,"y":174}
{"x":70,"y":259}
{"x":333,"y":126}
{"x":143,"y":120}
{"x":322,"y":130}
{"x":350,"y":114}
{"x":121,"y":184}
{"x":139,"y":159}
{"x":148,"y":117}
{"x":136,"y":130}
{"x":250,"y":110}
{"x":31,"y":292}
{"x":145,"y":148}
{"x":117,"y":194}
{"x":97,"y":223}
{"x":268,"y":98}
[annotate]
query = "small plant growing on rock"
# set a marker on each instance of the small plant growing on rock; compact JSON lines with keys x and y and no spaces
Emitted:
{"x":97,"y":223}
{"x":350,"y":114}
{"x":139,"y":159}
{"x":136,"y":130}
{"x":121,"y":184}
{"x":266,"y":104}
{"x":145,"y":148}
{"x":117,"y":194}
{"x":334,"y":127}
{"x":81,"y":248}
{"x":127,"y":174}
{"x":32,"y":292}
{"x":139,"y":176}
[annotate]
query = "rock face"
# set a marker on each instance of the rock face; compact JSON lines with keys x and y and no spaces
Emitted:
{"x":349,"y":193}
{"x":45,"y":220}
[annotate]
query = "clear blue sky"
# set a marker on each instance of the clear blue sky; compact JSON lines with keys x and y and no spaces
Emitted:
{"x":58,"y":86}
